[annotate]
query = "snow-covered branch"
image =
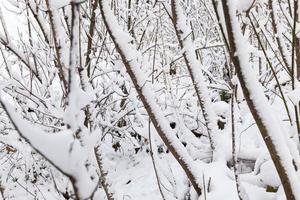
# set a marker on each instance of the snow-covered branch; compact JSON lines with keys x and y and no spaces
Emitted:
{"x":131,"y":61}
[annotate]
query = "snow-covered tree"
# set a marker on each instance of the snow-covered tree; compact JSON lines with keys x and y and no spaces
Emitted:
{"x":135,"y":99}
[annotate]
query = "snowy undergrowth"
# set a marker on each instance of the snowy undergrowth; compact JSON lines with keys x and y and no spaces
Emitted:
{"x":132,"y":176}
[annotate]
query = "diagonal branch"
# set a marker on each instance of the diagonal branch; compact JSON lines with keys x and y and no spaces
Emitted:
{"x":129,"y":58}
{"x":259,"y":106}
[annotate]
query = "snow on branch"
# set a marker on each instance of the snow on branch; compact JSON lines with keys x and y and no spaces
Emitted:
{"x":183,"y":32}
{"x":63,"y":150}
{"x":269,"y":126}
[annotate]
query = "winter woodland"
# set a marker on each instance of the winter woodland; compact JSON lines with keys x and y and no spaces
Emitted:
{"x":150,"y":99}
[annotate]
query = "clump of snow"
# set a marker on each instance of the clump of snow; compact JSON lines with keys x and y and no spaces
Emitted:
{"x":295,"y":96}
{"x":244,"y":5}
{"x":268,"y":174}
{"x":221,"y":108}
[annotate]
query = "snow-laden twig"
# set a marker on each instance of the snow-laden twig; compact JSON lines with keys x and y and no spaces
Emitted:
{"x":103,"y":174}
{"x":55,"y":27}
{"x":20,"y":55}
